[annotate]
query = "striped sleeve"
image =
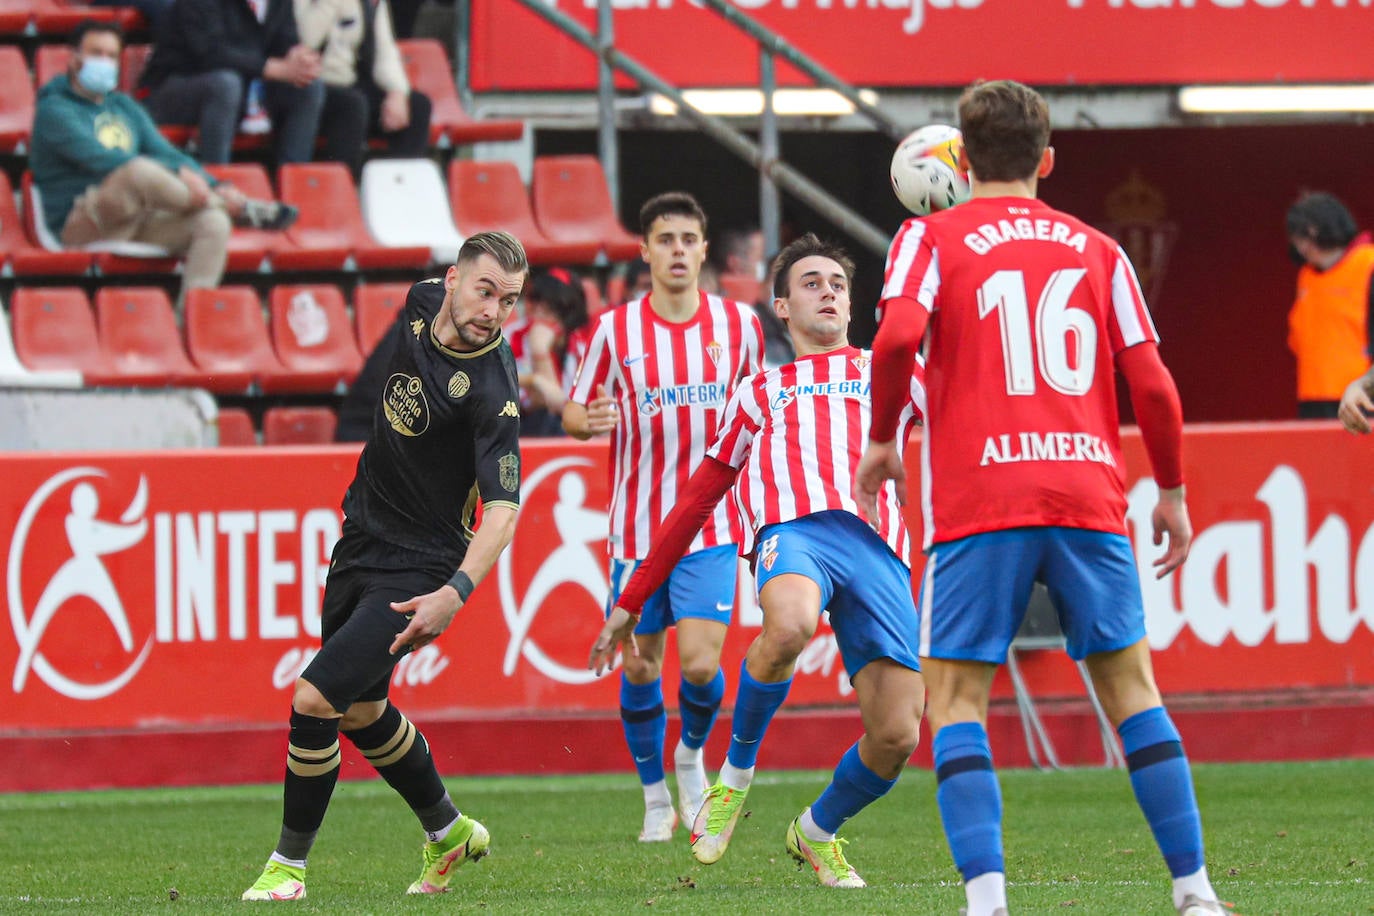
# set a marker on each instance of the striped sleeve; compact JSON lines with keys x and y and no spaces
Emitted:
{"x":1130,"y":322}
{"x":596,"y":364}
{"x":741,"y":421}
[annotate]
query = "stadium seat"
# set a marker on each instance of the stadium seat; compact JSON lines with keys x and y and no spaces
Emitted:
{"x":428,"y":68}
{"x":139,"y":336}
{"x":16,"y":18}
{"x":51,"y":17}
{"x":405,"y":203}
{"x":110,"y":257}
{"x":298,"y":426}
{"x":313,"y":336}
{"x":49,"y":61}
{"x":236,"y":427}
{"x":14,"y":374}
{"x":227,"y":336}
{"x":572,"y":203}
{"x":16,"y":101}
{"x":375,"y":307}
{"x":249,"y":249}
{"x":741,"y":287}
{"x":491,"y":195}
{"x":332,"y":221}
{"x":54,"y":328}
{"x":20,"y":256}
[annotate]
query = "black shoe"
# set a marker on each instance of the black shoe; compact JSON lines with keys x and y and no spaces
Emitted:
{"x":267,"y":214}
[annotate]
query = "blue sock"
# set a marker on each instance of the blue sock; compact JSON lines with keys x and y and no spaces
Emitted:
{"x":969,"y":797}
{"x":755,"y":704}
{"x":698,"y":705}
{"x":641,"y":712}
{"x":1163,"y":785}
{"x":853,"y":788}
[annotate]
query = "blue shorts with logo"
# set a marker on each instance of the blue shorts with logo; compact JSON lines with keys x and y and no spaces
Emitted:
{"x":975,"y":591}
{"x":863,"y":584}
{"x":700,"y":587}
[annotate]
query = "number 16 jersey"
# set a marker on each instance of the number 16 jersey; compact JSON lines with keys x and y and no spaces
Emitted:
{"x":1028,"y":308}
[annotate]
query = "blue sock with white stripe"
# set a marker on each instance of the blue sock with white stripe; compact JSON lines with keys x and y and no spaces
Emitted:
{"x":755,"y":704}
{"x":969,"y":797}
{"x":698,"y":704}
{"x":853,"y":788}
{"x":645,"y":722}
{"x":1163,"y":785}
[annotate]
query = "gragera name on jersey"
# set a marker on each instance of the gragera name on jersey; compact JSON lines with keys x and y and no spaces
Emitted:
{"x":990,"y":235}
{"x":710,"y":394}
{"x":1010,"y":448}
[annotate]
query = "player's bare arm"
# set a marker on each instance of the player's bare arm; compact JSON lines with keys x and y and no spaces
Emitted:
{"x":618,"y":631}
{"x":1170,"y":519}
{"x":433,"y":612}
{"x":599,"y":415}
{"x":1357,"y":403}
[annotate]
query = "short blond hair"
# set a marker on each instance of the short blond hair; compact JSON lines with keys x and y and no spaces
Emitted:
{"x":504,"y":248}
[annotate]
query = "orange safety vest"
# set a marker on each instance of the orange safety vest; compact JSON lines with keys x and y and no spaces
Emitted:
{"x":1328,"y":325}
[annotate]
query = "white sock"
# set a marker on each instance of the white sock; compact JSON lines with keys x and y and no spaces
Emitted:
{"x":986,"y":893}
{"x":438,"y":835}
{"x":1197,"y":884}
{"x":811,"y":831}
{"x":736,"y":778}
{"x":656,"y":795}
{"x":684,"y":756}
{"x":283,"y":860}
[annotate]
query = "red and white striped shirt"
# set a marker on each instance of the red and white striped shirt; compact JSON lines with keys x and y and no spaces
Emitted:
{"x":797,"y":433}
{"x":1027,"y":307}
{"x":671,"y":382}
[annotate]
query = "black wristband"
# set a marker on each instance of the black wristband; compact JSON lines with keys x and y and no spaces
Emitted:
{"x":462,"y":584}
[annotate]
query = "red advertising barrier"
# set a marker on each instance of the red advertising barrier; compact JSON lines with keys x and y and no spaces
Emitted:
{"x":180,"y":591}
{"x":940,"y":42}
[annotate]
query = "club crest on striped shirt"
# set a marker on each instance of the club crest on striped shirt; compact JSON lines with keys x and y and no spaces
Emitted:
{"x":715,"y":350}
{"x":861,"y":362}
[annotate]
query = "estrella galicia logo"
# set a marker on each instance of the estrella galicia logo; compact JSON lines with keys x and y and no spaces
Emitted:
{"x":404,"y":404}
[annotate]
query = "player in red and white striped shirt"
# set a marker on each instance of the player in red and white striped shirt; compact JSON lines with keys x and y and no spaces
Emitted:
{"x":657,"y":374}
{"x":1030,"y":313}
{"x":788,"y":444}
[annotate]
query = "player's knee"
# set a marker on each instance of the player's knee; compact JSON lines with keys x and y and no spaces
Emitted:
{"x":896,"y":740}
{"x":308,"y":701}
{"x":784,"y":641}
{"x":640,"y":670}
{"x":700,"y":670}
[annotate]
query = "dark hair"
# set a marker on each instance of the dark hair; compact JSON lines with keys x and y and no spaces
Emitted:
{"x":96,"y":25}
{"x":1321,"y":219}
{"x":670,"y":203}
{"x":1006,"y":127}
{"x":804,"y":247}
{"x":731,"y":241}
{"x":561,"y":291}
{"x":503,"y":247}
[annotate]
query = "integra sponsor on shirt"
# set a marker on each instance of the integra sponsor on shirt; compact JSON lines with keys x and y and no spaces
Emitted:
{"x":711,"y":394}
{"x":990,"y":235}
{"x":848,"y":388}
{"x":1010,"y":448}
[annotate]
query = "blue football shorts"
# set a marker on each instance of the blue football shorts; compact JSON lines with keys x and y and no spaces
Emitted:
{"x":863,"y":584}
{"x":700,"y":587}
{"x":975,"y":590}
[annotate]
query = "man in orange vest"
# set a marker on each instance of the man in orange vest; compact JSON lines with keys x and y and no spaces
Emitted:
{"x":1329,"y":325}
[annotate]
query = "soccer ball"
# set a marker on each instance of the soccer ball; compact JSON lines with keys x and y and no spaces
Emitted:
{"x":925,"y":170}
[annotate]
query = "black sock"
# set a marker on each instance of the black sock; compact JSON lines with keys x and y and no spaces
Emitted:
{"x":401,"y":755}
{"x":312,"y":769}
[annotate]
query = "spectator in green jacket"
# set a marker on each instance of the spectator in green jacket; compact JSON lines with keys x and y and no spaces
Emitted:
{"x":105,"y":173}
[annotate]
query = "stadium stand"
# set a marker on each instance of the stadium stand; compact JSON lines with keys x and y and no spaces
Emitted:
{"x":298,"y":426}
{"x":18,"y":253}
{"x":491,"y":195}
{"x":139,"y":336}
{"x":16,"y":101}
{"x":428,"y":69}
{"x":740,"y":287}
{"x":14,"y":374}
{"x":405,"y":203}
{"x":54,"y":328}
{"x":572,"y":203}
{"x":48,"y":61}
{"x":332,"y":221}
{"x":236,"y":427}
{"x":110,"y":256}
{"x":375,"y":306}
{"x":227,"y":336}
{"x":250,"y":249}
{"x":313,"y":335}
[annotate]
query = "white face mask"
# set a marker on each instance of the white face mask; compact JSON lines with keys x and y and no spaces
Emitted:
{"x":99,"y":74}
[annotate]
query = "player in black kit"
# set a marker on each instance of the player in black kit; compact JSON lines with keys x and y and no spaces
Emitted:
{"x":445,"y":437}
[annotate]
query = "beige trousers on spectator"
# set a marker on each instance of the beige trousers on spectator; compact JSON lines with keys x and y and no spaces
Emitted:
{"x":141,"y":201}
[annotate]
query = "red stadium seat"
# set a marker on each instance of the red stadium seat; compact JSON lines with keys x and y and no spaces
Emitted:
{"x":236,"y":427}
{"x":249,"y":249}
{"x":332,"y":221}
{"x":50,"y":61}
{"x":139,"y":336}
{"x":54,"y":328}
{"x":313,"y":335}
{"x":16,"y":101}
{"x":490,"y":195}
{"x":572,"y":203}
{"x":51,"y":17}
{"x":227,"y":336}
{"x":16,"y":17}
{"x":375,"y":307}
{"x":741,"y":287}
{"x":298,"y":426}
{"x":429,"y":71}
{"x":21,"y":255}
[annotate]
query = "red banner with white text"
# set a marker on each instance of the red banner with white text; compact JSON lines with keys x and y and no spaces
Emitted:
{"x":178,"y":589}
{"x":905,"y":43}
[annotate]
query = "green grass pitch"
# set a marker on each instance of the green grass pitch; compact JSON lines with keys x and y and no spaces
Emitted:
{"x":1282,"y":839}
